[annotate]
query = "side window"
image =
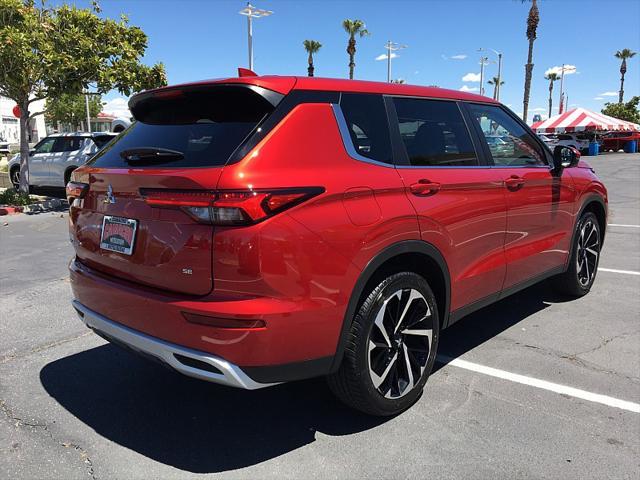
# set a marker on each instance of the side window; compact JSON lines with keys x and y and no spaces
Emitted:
{"x":510,"y":144}
{"x":434,"y":133}
{"x":367,"y":125}
{"x":46,"y":146}
{"x":68,"y":144}
{"x":102,"y":140}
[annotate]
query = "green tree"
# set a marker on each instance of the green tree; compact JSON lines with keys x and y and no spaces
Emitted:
{"x":353,"y":28}
{"x":70,"y":109}
{"x":623,"y":55}
{"x":46,"y":51}
{"x":552,"y":77}
{"x":532,"y":27}
{"x":624,"y":111}
{"x":311,"y":46}
{"x":494,"y":82}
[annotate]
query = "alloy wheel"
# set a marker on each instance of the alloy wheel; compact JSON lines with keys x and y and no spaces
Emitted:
{"x":399,"y":343}
{"x":588,"y":252}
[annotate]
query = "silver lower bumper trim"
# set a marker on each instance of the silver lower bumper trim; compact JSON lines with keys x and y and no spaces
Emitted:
{"x":169,"y":353}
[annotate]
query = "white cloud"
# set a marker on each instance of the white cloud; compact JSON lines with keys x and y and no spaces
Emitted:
{"x":384,"y":56}
{"x":598,"y":98}
{"x":608,"y":94}
{"x":539,"y":109}
{"x":568,"y":70}
{"x":466,"y":88}
{"x":460,"y":56}
{"x":471,"y":77}
{"x":117,"y":107}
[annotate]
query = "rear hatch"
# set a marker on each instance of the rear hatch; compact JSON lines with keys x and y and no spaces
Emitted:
{"x":180,"y":142}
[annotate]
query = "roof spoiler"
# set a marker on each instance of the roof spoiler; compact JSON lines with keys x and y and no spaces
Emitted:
{"x":245,"y":72}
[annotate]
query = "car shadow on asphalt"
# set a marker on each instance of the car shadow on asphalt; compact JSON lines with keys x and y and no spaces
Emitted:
{"x":486,"y":323}
{"x":204,"y":428}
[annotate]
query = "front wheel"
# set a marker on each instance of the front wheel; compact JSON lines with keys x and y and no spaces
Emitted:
{"x":585,"y":256}
{"x":14,"y":176}
{"x":391,"y":347}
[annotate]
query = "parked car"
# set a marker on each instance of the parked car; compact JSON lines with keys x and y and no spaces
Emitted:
{"x":4,"y":147}
{"x":618,"y":140}
{"x":53,"y":158}
{"x":258,"y":230}
{"x":579,"y":141}
{"x":548,"y":140}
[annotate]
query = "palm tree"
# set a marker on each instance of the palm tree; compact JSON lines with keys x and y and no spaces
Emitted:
{"x":552,"y":77}
{"x":532,"y":26}
{"x":311,"y":46}
{"x":494,"y":82}
{"x":353,"y":28}
{"x":623,"y":55}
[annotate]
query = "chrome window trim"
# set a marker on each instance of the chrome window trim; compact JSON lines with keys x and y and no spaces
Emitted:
{"x":348,"y":144}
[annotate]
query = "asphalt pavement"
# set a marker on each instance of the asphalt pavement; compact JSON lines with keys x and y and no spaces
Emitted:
{"x":535,"y":386}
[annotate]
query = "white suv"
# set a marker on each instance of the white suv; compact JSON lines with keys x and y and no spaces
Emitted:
{"x":53,"y":159}
{"x":579,"y":141}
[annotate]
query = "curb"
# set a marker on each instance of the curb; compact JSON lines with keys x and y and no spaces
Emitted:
{"x":10,"y":210}
{"x":45,"y":206}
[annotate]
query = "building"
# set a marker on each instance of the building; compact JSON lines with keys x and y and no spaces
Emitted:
{"x":10,"y":125}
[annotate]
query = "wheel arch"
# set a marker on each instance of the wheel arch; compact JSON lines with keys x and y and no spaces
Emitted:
{"x":410,"y":255}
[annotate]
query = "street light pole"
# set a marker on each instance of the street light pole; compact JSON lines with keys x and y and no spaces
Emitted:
{"x":391,"y":47}
{"x":252,"y":12}
{"x":499,"y":55}
{"x":86,"y":105}
{"x":483,"y":61}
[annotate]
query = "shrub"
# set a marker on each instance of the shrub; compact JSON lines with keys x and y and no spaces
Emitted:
{"x":12,"y":197}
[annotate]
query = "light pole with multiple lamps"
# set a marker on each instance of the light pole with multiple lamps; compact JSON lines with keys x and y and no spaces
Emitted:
{"x":483,"y":61}
{"x":391,"y":47}
{"x":252,"y":12}
{"x":499,"y":55}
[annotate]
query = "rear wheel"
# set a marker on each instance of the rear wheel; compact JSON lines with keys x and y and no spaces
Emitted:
{"x":585,"y":256}
{"x":391,"y":347}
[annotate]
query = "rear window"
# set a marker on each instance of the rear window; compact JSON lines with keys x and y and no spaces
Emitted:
{"x":203,"y":125}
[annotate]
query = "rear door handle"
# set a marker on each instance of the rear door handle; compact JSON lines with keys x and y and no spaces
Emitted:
{"x":514,"y":182}
{"x":424,"y":187}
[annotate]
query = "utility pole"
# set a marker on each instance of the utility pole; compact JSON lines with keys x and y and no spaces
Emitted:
{"x":391,"y":47}
{"x":499,"y":55}
{"x":252,"y":12}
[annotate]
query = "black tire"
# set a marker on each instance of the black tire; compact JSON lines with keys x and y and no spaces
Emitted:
{"x":14,"y":177}
{"x":67,"y":175}
{"x":353,"y":383}
{"x":579,"y":277}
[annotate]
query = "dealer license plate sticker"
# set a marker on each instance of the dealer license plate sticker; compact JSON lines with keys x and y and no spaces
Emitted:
{"x":118,"y":234}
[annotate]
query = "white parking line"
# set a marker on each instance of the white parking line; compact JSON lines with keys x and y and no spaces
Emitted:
{"x":543,"y":384}
{"x":613,"y":270}
{"x":622,"y":225}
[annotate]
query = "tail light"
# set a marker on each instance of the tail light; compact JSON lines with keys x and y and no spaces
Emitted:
{"x":237,"y":207}
{"x":76,"y":190}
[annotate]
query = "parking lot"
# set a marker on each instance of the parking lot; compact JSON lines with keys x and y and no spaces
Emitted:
{"x":535,"y":386}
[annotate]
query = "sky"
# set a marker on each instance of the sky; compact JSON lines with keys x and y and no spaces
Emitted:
{"x":199,"y":39}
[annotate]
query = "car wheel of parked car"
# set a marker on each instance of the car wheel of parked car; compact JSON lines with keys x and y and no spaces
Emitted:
{"x":391,"y":347}
{"x":15,"y":177}
{"x":583,"y":265}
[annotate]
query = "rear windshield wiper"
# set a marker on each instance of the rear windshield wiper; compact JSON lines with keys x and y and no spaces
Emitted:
{"x":150,"y":154}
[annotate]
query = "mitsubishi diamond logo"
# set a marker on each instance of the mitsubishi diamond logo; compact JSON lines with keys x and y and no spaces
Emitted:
{"x":110,"y":198}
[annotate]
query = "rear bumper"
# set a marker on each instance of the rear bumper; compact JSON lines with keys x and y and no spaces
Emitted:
{"x":189,"y":362}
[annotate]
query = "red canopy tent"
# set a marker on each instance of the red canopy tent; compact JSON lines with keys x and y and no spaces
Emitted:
{"x":581,"y":120}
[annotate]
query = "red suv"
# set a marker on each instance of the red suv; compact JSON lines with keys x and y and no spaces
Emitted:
{"x":258,"y":230}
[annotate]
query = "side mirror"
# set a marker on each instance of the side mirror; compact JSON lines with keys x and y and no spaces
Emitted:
{"x":565,"y":157}
{"x":32,"y":153}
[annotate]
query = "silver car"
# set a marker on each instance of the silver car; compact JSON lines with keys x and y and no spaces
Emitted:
{"x":53,"y":159}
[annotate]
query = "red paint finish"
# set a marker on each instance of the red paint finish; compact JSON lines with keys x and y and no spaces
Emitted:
{"x":292,"y":273}
{"x":465,"y":218}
